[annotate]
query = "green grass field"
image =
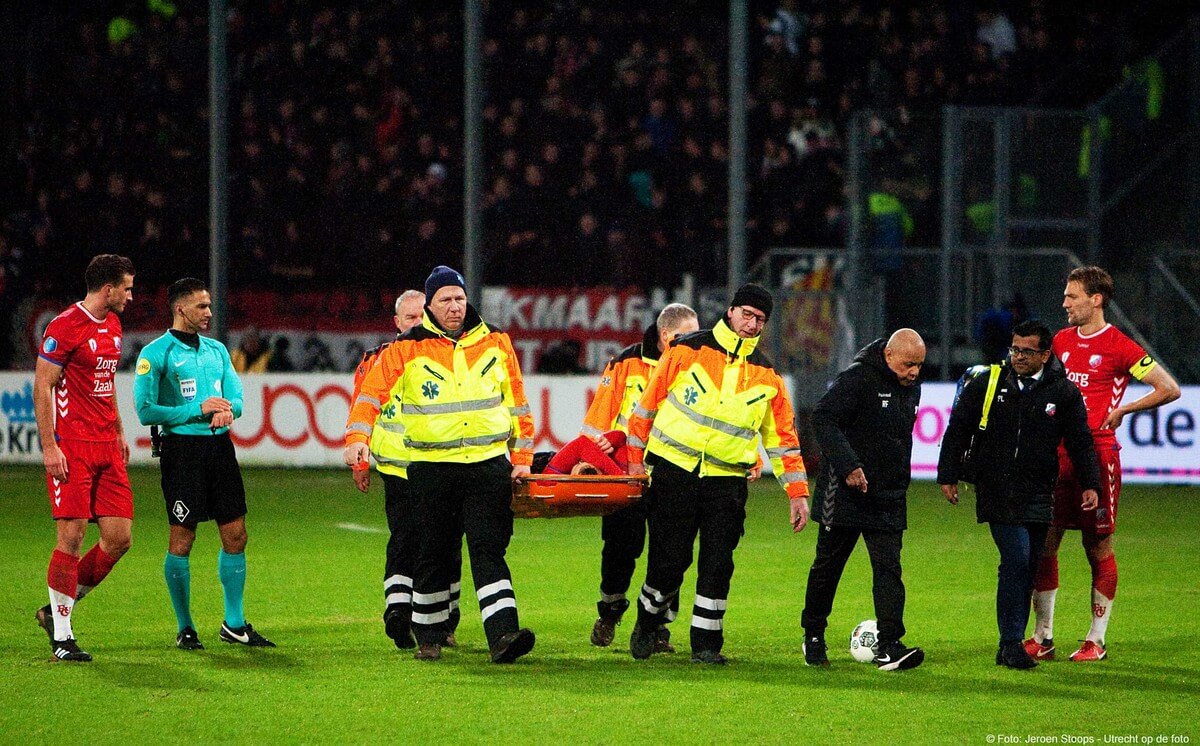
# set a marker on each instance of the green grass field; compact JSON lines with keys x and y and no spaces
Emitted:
{"x":315,"y":589}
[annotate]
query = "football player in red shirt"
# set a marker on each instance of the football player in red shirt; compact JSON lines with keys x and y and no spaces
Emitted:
{"x":1100,"y":360}
{"x":83,"y":445}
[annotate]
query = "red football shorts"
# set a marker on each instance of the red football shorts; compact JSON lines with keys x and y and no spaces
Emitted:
{"x":97,"y":483}
{"x":1068,"y":494}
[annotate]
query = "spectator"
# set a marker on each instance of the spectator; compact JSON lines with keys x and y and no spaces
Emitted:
{"x":252,"y":354}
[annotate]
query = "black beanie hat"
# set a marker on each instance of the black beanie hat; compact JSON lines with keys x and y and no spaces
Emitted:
{"x":753,"y":295}
{"x":440,"y":277}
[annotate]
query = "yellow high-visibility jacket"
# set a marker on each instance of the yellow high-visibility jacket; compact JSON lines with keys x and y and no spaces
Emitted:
{"x":709,"y":401}
{"x":460,"y":401}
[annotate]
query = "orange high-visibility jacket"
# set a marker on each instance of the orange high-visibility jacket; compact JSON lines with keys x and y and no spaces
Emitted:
{"x":622,"y":384}
{"x":709,"y":401}
{"x":459,"y":401}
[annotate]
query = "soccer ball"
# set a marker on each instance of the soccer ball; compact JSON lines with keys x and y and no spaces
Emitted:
{"x":863,"y":641}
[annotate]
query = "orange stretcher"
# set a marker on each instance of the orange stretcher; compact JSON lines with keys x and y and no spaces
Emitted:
{"x":566,"y":496}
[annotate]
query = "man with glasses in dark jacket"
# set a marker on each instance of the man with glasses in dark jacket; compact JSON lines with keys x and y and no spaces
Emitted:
{"x":864,"y":425}
{"x":1010,"y":419}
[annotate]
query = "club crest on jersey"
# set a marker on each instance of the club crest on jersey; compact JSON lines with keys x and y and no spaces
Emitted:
{"x":50,"y":345}
{"x":117,"y":343}
{"x":92,"y":345}
{"x":1051,"y":409}
{"x":1094,"y":361}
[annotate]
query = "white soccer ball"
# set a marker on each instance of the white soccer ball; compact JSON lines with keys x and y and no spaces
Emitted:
{"x":863,"y":641}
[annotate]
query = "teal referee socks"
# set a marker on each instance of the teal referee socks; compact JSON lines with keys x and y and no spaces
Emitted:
{"x":178,"y":574}
{"x":232,"y":569}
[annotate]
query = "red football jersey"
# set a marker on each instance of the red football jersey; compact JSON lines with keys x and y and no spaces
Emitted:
{"x":1101,"y":365}
{"x":88,"y":351}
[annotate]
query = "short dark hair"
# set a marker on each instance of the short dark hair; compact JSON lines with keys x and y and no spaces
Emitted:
{"x":184,"y":287}
{"x":1035,"y":329}
{"x":106,"y":269}
{"x":1095,"y":281}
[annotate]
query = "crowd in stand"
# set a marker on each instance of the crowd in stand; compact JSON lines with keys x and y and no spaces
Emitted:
{"x":605,"y":132}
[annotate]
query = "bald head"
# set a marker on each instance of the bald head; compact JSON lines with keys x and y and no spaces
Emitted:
{"x":905,"y":354}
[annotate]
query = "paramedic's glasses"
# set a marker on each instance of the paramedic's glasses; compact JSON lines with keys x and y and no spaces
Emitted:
{"x":1024,"y":352}
{"x":748,"y":315}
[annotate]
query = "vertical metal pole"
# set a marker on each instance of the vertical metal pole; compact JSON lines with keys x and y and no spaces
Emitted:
{"x":1002,"y":194}
{"x":1095,"y":185}
{"x":738,"y":33}
{"x":218,"y":167}
{"x":472,"y":146}
{"x":1192,"y":210}
{"x":856,"y":236}
{"x":951,"y":226}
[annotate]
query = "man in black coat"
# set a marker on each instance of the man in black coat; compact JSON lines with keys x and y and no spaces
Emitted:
{"x":864,"y":425}
{"x":1014,"y":464}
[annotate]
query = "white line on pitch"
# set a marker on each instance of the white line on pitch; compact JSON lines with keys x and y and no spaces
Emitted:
{"x":361,"y":528}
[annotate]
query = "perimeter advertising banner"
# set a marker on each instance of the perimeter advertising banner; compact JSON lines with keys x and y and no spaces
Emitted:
{"x":298,"y":420}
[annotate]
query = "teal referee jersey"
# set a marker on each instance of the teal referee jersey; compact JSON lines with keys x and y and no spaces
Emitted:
{"x":173,"y":379}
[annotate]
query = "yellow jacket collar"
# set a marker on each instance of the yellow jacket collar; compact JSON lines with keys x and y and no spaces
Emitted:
{"x":474,"y":329}
{"x":731,"y":342}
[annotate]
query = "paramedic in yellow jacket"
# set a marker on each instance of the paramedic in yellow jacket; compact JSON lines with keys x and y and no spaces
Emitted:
{"x":622,"y":384}
{"x":709,"y":401}
{"x":391,"y":460}
{"x":462,"y":404}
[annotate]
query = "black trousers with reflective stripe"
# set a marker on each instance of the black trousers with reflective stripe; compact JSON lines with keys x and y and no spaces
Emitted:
{"x":403,"y":546}
{"x":834,"y":545}
{"x":680,"y":506}
{"x":453,"y":500}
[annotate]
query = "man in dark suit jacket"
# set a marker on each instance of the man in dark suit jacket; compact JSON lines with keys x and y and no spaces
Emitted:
{"x":1014,"y":464}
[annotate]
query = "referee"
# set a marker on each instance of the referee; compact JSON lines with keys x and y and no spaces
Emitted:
{"x":186,"y":385}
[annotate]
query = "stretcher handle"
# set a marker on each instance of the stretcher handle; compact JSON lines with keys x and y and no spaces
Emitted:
{"x":585,"y":478}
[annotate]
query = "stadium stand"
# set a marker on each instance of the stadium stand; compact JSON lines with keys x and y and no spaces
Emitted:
{"x":605,"y":131}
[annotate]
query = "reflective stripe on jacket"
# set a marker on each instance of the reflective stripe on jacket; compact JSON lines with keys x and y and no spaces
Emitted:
{"x":709,"y":401}
{"x":387,"y":438}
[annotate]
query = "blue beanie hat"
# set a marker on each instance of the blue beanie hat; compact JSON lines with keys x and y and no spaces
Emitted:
{"x":440,"y":277}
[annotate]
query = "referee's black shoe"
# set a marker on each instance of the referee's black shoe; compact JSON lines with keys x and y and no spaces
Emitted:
{"x":68,"y":650}
{"x":188,"y":640}
{"x":512,"y":646}
{"x":641,"y":642}
{"x":244,"y":635}
{"x":815,"y":651}
{"x":45,"y":620}
{"x":396,"y":625}
{"x":894,"y":656}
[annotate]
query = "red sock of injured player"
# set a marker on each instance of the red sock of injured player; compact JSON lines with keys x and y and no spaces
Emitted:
{"x":1045,"y":588}
{"x":93,"y":568}
{"x":62,"y":577}
{"x":1104,"y":590}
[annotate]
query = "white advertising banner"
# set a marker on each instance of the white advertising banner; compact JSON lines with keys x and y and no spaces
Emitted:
{"x":297,"y":419}
{"x":288,"y":419}
{"x":1158,"y":446}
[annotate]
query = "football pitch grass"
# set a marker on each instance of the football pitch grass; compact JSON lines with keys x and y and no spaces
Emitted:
{"x":314,"y":587}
